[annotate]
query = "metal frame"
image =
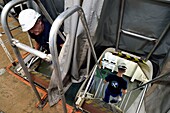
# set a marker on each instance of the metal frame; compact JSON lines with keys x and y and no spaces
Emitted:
{"x":120,"y":30}
{"x":16,"y":44}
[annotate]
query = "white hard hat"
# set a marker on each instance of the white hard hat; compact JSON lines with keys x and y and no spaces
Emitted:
{"x":122,"y":66}
{"x":27,"y":19}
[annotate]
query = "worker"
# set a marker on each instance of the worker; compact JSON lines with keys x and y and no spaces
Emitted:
{"x":38,"y":29}
{"x":117,"y":85}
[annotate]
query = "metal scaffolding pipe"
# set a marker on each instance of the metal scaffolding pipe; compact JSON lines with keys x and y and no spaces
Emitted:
{"x":120,"y":23}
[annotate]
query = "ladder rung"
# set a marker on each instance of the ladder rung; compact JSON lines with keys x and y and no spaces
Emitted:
{"x":138,"y":35}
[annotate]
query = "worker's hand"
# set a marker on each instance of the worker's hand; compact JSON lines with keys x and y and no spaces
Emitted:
{"x":61,"y":45}
{"x":124,"y":91}
{"x":104,"y":81}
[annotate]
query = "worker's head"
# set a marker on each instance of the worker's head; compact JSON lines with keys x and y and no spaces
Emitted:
{"x":30,"y":20}
{"x":122,"y":67}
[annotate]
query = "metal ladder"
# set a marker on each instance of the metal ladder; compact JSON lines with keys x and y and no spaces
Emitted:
{"x":16,"y":44}
{"x":52,"y":42}
{"x":120,"y":30}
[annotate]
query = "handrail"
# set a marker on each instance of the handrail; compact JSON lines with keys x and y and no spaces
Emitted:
{"x":53,"y":46}
{"x":141,"y":99}
{"x":145,"y":86}
{"x":1,"y":7}
{"x":5,"y":26}
{"x":150,"y":82}
{"x":138,"y":35}
{"x":2,"y":43}
{"x":29,"y":49}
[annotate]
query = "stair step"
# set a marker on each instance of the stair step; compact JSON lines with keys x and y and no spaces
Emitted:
{"x":98,"y":106}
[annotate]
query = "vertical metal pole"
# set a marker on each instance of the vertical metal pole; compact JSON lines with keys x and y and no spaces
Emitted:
{"x":27,"y":73}
{"x":127,"y":100}
{"x":99,"y":89}
{"x":84,"y":22}
{"x":141,"y":100}
{"x":99,"y":86}
{"x":91,"y":78}
{"x":88,"y":61}
{"x":6,"y":51}
{"x":57,"y":73}
{"x":120,"y":23}
{"x":123,"y":101}
{"x":157,"y":42}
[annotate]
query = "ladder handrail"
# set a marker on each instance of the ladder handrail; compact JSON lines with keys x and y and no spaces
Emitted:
{"x":150,"y":82}
{"x":6,"y":28}
{"x":53,"y":45}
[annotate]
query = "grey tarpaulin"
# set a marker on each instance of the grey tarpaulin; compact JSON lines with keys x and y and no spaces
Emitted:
{"x":157,"y":98}
{"x":148,"y":18}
